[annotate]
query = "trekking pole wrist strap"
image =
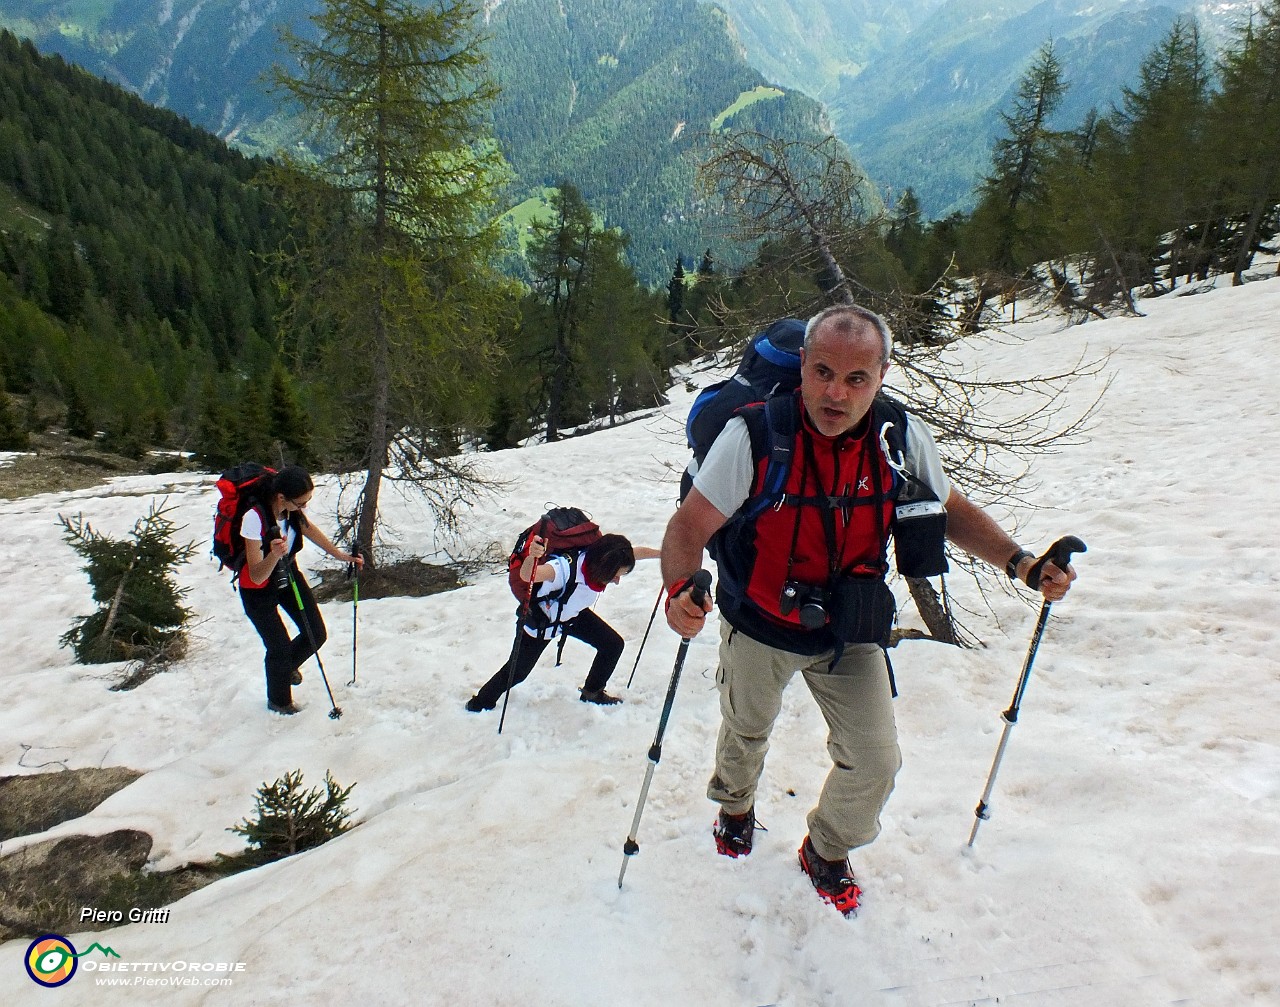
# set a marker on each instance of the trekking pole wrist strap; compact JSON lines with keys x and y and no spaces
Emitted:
{"x":679,"y":587}
{"x":699,"y":582}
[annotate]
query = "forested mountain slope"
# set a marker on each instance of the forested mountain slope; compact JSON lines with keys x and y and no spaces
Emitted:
{"x":608,"y":94}
{"x":131,"y":250}
{"x":916,"y":88}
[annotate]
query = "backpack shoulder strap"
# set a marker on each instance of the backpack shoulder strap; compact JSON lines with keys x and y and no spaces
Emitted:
{"x":298,"y":521}
{"x":772,"y":427}
{"x":571,"y":578}
{"x":536,"y":617}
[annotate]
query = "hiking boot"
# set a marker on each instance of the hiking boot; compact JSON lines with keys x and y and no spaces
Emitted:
{"x":284,"y":709}
{"x":735,"y":833}
{"x":475,"y":705}
{"x":833,"y":879}
{"x":297,"y":676}
{"x":599,"y":697}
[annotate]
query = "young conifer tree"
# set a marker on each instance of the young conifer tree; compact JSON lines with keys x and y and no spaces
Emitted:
{"x":397,"y":227}
{"x":288,"y":819}
{"x":140,"y":614}
{"x":567,"y":256}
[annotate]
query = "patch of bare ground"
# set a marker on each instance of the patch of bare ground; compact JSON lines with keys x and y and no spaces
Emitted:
{"x":58,"y":463}
{"x":31,"y":804}
{"x":45,"y":885}
{"x":407,"y":578}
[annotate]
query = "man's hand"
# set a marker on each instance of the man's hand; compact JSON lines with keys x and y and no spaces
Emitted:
{"x":1053,"y":573}
{"x":684,"y":614}
{"x":1054,"y":583}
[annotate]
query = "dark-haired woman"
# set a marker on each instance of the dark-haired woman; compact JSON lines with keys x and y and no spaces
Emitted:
{"x":606,"y":561}
{"x":273,"y":530}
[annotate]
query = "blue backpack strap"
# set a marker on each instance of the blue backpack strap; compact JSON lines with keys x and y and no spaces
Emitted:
{"x":773,"y":435}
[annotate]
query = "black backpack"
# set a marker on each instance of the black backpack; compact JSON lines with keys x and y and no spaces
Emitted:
{"x":770,"y":365}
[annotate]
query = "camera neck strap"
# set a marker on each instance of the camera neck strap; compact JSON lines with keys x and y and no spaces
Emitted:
{"x":828,"y":502}
{"x":795,"y":527}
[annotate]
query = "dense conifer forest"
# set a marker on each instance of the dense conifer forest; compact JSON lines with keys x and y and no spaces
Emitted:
{"x":617,"y":98}
{"x":134,"y":283}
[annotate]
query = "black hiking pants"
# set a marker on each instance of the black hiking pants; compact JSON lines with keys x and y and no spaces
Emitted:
{"x":285,"y":655}
{"x":587,"y":627}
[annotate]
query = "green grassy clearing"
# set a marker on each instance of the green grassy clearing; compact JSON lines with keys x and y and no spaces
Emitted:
{"x":760,"y":92}
{"x":16,"y":215}
{"x":522,"y":216}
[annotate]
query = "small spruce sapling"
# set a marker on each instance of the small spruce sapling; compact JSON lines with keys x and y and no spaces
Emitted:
{"x":287,"y":819}
{"x":141,"y":615}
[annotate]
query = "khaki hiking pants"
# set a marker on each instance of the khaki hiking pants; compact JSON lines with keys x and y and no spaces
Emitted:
{"x":862,"y":739}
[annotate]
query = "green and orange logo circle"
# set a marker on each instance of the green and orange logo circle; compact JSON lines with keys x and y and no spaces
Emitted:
{"x":51,"y":960}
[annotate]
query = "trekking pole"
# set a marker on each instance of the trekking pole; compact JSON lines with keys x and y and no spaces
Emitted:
{"x":515,"y":647}
{"x":701,"y":585}
{"x":1060,"y":555}
{"x":353,"y":575}
{"x":336,"y":712}
{"x":645,"y":638}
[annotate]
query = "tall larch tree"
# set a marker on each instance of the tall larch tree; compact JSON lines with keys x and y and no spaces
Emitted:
{"x":1019,"y":159}
{"x":394,"y":261}
{"x":1246,"y":137}
{"x":1160,"y":165}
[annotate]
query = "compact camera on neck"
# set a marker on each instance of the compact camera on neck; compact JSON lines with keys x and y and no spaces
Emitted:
{"x":810,"y":600}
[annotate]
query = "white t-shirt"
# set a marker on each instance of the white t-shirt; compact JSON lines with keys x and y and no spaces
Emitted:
{"x":251,"y":529}
{"x":727,"y":472}
{"x":582,"y":597}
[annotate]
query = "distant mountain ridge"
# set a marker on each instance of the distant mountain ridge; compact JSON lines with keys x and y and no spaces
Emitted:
{"x":915,"y":89}
{"x":612,"y":95}
{"x":811,"y":44}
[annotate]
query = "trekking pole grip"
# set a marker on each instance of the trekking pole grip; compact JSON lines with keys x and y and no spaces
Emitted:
{"x":1059,"y":554}
{"x":701,"y":586}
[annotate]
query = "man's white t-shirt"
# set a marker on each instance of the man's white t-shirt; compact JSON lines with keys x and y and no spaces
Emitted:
{"x":727,"y":472}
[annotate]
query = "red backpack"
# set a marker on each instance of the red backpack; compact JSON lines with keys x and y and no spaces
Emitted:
{"x":237,"y":488}
{"x":568,"y":531}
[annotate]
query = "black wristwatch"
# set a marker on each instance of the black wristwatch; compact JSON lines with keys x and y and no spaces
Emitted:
{"x":1011,"y":568}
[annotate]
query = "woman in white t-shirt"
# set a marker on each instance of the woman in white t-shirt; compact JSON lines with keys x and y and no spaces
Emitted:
{"x":273,"y":529}
{"x":585,"y":574}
